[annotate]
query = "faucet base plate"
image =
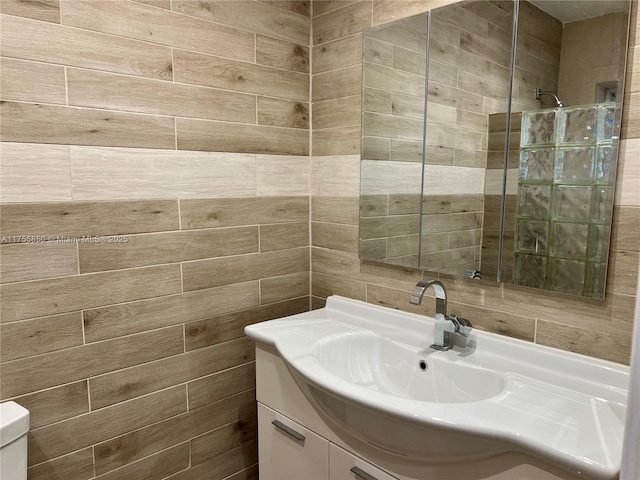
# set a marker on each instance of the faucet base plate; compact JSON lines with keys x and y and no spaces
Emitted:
{"x":444,"y":348}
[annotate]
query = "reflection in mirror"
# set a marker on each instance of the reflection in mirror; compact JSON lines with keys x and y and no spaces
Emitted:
{"x":563,"y":147}
{"x":394,"y":64}
{"x":535,"y":212}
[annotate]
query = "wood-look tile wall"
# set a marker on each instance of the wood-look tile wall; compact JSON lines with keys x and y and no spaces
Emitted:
{"x":590,"y":327}
{"x":154,"y":176}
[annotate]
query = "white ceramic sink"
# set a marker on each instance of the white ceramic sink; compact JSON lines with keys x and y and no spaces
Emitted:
{"x":369,"y":360}
{"x":369,"y":370}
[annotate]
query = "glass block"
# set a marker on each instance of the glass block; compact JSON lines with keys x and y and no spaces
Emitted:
{"x":530,"y":270}
{"x":598,"y":248}
{"x":534,"y":200}
{"x":567,"y":276}
{"x":538,"y":128}
{"x":606,"y":121}
{"x":569,"y":239}
{"x":605,"y":172}
{"x":596,"y":280}
{"x":536,"y":165}
{"x":533,"y":236}
{"x":571,"y":203}
{"x":575,"y":165}
{"x":577,"y":125}
{"x":602,"y":203}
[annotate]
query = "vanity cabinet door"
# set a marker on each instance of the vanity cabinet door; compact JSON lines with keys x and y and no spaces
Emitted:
{"x":289,"y":451}
{"x":344,"y":465}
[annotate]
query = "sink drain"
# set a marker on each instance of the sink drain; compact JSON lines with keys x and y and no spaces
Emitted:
{"x":423,"y":365}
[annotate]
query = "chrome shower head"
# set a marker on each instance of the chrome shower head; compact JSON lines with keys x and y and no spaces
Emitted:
{"x":540,"y":93}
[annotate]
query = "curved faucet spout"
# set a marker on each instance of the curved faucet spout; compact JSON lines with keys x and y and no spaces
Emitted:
{"x":441,"y":295}
{"x":445,"y":325}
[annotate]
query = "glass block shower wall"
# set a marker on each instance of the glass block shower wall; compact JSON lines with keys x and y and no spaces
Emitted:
{"x":565,"y":197}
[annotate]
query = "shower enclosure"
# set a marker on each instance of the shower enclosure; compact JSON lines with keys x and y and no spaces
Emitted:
{"x":565,"y":196}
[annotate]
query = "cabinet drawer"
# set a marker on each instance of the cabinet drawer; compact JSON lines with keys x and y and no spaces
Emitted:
{"x":289,"y":451}
{"x":346,"y":466}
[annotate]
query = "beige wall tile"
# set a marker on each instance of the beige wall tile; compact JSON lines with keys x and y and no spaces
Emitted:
{"x":623,"y":272}
{"x":75,"y":466}
{"x":218,"y":72}
{"x":34,"y":172}
{"x":628,"y":177}
{"x":323,"y":285}
{"x":334,"y":262}
{"x":282,"y":54}
{"x":46,"y":10}
{"x":117,"y":320}
{"x":89,"y":88}
{"x":234,"y":137}
{"x":221,"y":271}
{"x":335,"y":176}
{"x":35,"y":123}
{"x":72,"y":364}
{"x":159,"y":465}
{"x":145,"y":441}
{"x":282,"y":175}
{"x":76,"y":433}
{"x":340,"y":53}
{"x":284,"y":287}
{"x":56,"y":404}
{"x":607,"y":345}
{"x":283,"y":113}
{"x":89,"y":218}
{"x":337,"y":83}
{"x":387,"y":10}
{"x":303,"y":7}
{"x":42,"y":335}
{"x":337,"y":112}
{"x":173,"y":247}
{"x":31,"y":81}
{"x":123,"y":173}
{"x":33,"y":261}
{"x":335,"y":236}
{"x":222,"y":439}
{"x":135,"y":20}
{"x":345,"y":21}
{"x":337,"y":141}
{"x":223,"y":465}
{"x":258,"y":18}
{"x":220,"y":385}
{"x":166,"y":4}
{"x":116,"y":387}
{"x":336,"y":209}
{"x":213,"y":330}
{"x":245,"y":211}
{"x":323,"y":6}
{"x":28,"y":40}
{"x":67,"y":294}
{"x":285,"y":235}
{"x":624,"y":228}
{"x":388,"y":226}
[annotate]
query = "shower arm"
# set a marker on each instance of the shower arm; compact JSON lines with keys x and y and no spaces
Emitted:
{"x":540,"y":93}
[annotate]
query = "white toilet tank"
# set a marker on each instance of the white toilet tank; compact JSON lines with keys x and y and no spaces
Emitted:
{"x":14,"y":425}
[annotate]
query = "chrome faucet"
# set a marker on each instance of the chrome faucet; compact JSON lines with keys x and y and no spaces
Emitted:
{"x":445,"y":324}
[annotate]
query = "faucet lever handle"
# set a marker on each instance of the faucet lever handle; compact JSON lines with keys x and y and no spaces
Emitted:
{"x":462,"y":325}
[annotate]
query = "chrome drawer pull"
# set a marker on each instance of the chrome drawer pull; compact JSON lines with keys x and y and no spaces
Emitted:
{"x":289,"y":430}
{"x":362,"y":474}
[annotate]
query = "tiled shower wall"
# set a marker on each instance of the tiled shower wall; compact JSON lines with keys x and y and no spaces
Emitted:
{"x":155,"y":201}
{"x":595,"y":328}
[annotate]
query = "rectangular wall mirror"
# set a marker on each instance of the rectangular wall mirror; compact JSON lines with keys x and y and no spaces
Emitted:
{"x":490,"y":137}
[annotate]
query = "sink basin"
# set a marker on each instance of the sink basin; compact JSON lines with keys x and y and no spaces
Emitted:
{"x":368,"y":370}
{"x":377,"y":363}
